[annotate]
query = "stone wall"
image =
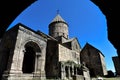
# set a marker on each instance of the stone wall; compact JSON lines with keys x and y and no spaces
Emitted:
{"x":7,"y":46}
{"x":66,"y":54}
{"x":116,"y":62}
{"x":52,"y":63}
{"x":103,"y":64}
{"x":75,"y":45}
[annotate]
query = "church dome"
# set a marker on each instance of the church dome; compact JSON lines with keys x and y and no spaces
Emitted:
{"x":58,"y":18}
{"x":58,"y":27}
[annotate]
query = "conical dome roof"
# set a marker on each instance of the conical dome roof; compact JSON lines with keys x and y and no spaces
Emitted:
{"x":58,"y":18}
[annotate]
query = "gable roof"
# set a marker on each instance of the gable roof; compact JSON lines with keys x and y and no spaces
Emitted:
{"x":17,"y":26}
{"x":72,"y":39}
{"x":87,"y":45}
{"x":69,"y":40}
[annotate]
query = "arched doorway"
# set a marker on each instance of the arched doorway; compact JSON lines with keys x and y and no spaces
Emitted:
{"x":30,"y":61}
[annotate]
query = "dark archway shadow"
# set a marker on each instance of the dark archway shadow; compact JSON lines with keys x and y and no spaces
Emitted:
{"x":9,"y":10}
{"x":29,"y":60}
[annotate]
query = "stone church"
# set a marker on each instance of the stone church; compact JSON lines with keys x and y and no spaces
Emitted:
{"x":26,"y":54}
{"x":94,"y":60}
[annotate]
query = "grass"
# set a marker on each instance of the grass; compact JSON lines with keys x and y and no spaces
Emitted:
{"x":116,"y":78}
{"x":112,"y":78}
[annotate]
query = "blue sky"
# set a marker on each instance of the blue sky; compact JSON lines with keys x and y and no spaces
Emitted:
{"x":86,"y":22}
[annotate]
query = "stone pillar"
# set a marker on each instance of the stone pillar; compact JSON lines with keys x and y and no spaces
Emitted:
{"x":42,"y":63}
{"x":37,"y":72}
{"x":72,"y":70}
{"x":37,"y":63}
{"x":69,"y":72}
{"x":20,"y":59}
{"x":62,"y":71}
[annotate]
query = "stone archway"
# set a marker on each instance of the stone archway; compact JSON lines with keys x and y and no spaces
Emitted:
{"x":31,"y":59}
